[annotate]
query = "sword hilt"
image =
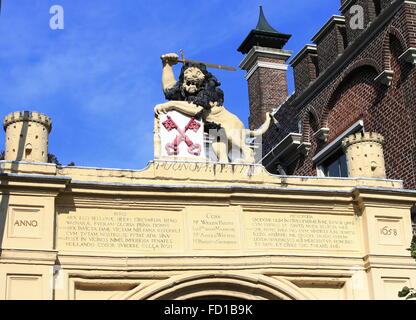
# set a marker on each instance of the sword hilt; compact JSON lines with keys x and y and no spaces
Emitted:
{"x":182,"y":55}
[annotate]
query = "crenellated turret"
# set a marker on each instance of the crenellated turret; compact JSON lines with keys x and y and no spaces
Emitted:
{"x":365,"y":157}
{"x":27,"y":136}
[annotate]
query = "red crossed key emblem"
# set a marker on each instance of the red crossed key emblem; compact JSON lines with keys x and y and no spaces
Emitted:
{"x":172,"y":148}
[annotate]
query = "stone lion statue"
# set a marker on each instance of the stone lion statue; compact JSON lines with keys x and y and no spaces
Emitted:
{"x":197,"y":94}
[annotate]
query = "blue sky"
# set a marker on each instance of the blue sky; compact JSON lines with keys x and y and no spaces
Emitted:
{"x":100,"y":78}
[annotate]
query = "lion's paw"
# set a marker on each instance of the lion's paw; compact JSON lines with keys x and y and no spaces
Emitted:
{"x":162,"y":108}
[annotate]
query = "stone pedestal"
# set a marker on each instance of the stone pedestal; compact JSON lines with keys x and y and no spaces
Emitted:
{"x":179,"y":137}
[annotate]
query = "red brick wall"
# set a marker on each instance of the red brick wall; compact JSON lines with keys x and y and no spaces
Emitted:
{"x":330,"y":45}
{"x":352,"y":94}
{"x":408,"y":24}
{"x":392,"y":117}
{"x":351,"y":101}
{"x":267,"y":89}
{"x":305,"y":71}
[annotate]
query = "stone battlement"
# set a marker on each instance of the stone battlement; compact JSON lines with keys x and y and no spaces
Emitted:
{"x":361,"y":137}
{"x":32,"y":116}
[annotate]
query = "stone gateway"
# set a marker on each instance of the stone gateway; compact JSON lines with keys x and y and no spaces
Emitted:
{"x":196,"y":224}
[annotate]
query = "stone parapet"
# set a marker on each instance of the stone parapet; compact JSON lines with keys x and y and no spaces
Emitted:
{"x":32,"y":116}
{"x":27,"y":136}
{"x":362,"y":137}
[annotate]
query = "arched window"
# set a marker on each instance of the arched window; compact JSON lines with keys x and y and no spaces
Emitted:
{"x":350,"y":101}
{"x":347,"y":108}
{"x":28,"y":151}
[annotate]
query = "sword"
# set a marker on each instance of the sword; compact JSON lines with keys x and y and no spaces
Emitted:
{"x":209,"y":65}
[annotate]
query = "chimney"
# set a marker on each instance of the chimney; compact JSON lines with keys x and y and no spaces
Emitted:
{"x":265,"y":63}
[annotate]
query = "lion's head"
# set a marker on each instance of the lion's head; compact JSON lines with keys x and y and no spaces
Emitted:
{"x":192,"y":81}
{"x":196,"y":85}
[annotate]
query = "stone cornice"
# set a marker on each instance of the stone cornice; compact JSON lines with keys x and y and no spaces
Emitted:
{"x":285,"y":147}
{"x":268,"y":65}
{"x":161,"y":176}
{"x":12,"y":182}
{"x":335,"y":19}
{"x":25,"y":256}
{"x":409,"y":55}
{"x":256,"y":52}
{"x":309,"y":48}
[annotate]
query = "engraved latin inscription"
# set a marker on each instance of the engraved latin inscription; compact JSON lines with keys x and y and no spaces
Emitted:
{"x":297,"y":231}
{"x":121,"y":231}
{"x":215,"y":230}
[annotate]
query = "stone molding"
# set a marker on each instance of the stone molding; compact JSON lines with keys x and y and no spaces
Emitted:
{"x":386,"y":77}
{"x":361,"y":137}
{"x":268,"y":65}
{"x":309,"y":48}
{"x":335,"y":19}
{"x":257,"y":51}
{"x":322,"y":134}
{"x":409,"y":55}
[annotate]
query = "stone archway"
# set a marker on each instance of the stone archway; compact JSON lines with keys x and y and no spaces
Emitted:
{"x":217,"y":286}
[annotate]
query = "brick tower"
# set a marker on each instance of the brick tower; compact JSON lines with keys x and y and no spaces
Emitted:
{"x":265,"y":63}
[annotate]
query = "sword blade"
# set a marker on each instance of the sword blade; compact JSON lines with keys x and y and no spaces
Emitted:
{"x":209,"y":65}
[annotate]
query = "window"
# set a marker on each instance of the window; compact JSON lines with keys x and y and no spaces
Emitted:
{"x":331,"y":160}
{"x":28,"y":150}
{"x":335,"y":165}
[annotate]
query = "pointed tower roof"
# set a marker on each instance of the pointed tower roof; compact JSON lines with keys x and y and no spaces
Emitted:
{"x":264,"y":36}
{"x":263,"y":25}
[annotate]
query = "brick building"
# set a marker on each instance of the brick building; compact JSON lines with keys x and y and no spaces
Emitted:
{"x":202,"y":230}
{"x":359,"y":75}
